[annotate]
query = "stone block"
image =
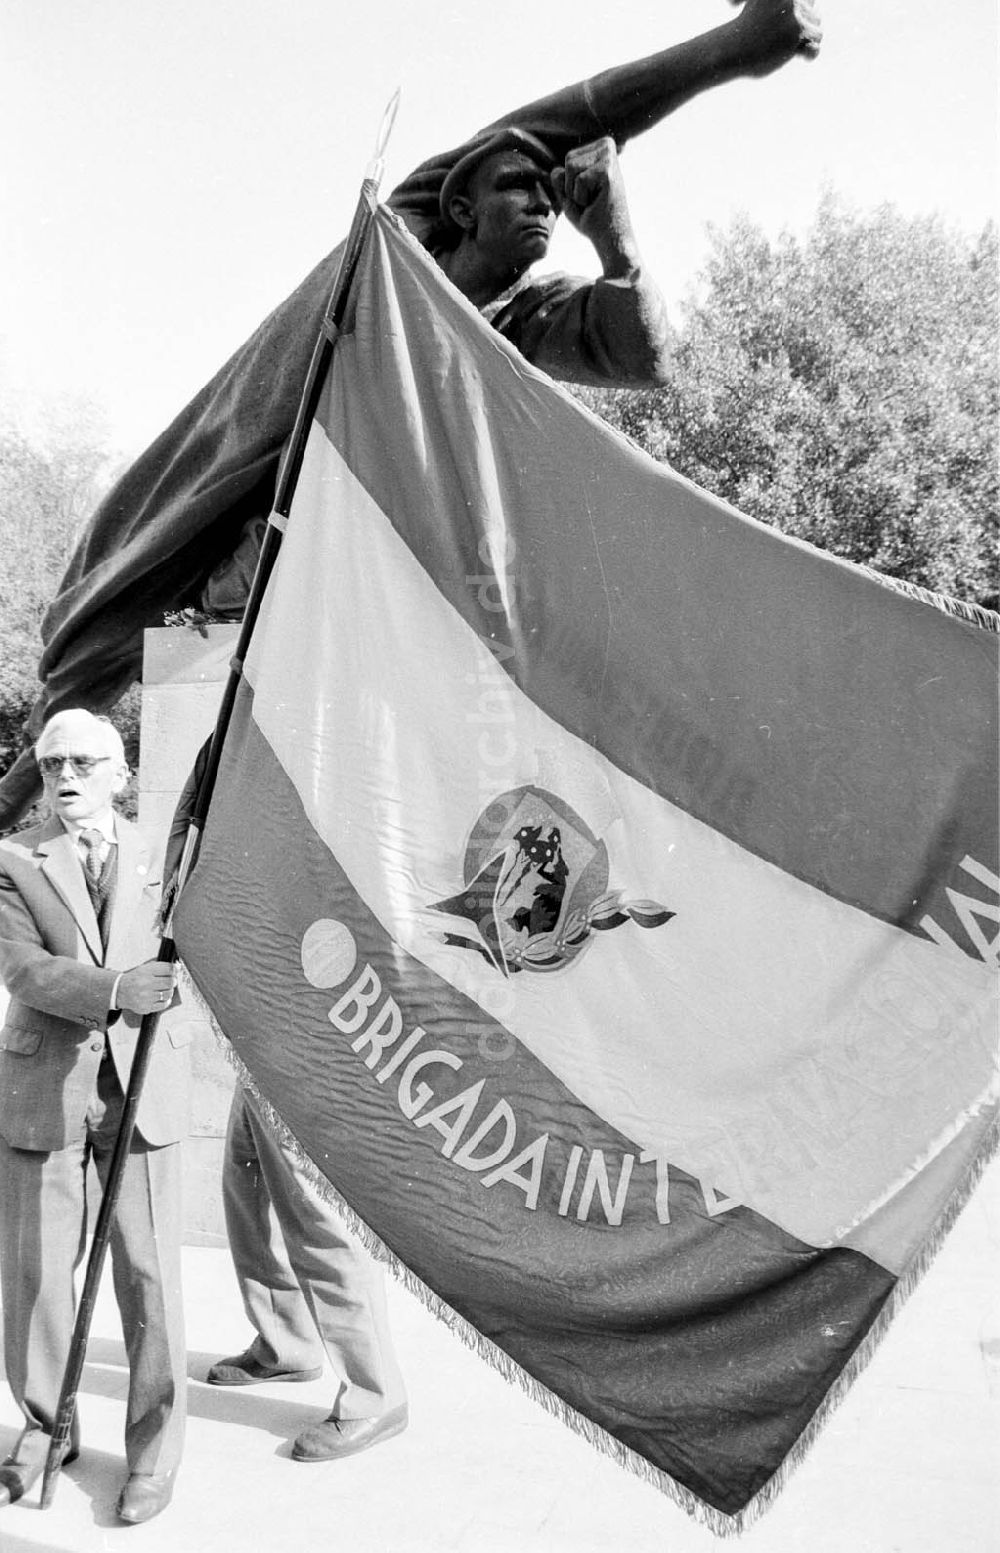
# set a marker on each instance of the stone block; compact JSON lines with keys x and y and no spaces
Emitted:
{"x":183,"y":678}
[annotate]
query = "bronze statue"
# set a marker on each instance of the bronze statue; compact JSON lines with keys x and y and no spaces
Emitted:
{"x":485,"y":210}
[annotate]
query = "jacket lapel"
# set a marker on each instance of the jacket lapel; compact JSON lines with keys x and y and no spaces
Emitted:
{"x":62,"y":868}
{"x":133,"y":876}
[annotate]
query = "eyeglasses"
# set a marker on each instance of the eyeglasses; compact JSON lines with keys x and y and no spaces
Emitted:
{"x":83,"y":765}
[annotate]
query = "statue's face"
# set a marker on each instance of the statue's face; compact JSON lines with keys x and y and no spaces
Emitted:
{"x":513,"y":210}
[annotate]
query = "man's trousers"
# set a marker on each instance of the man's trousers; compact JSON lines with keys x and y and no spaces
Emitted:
{"x":306,"y":1285}
{"x":43,"y":1227}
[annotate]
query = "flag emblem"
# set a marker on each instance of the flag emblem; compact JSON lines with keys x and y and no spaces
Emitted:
{"x":536,"y":886}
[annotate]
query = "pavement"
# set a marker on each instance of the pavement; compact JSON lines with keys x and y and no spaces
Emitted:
{"x":908,"y":1463}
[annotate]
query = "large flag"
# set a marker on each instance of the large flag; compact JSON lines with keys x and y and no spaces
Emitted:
{"x":602,"y":888}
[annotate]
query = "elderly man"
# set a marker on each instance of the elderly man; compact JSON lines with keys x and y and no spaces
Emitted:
{"x":79,"y":896}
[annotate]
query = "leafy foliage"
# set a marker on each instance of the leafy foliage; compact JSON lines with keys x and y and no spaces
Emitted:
{"x":49,"y":483}
{"x":844,"y":388}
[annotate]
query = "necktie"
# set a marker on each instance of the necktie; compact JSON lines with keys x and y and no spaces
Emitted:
{"x":101,"y":877}
{"x":93,"y":842}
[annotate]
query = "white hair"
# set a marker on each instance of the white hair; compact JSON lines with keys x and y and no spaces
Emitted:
{"x":102,"y":727}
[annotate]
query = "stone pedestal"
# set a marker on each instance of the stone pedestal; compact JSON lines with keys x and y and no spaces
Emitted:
{"x":183,"y":678}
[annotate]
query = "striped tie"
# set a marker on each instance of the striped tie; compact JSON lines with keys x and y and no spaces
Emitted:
{"x":93,"y":841}
{"x":101,"y":877}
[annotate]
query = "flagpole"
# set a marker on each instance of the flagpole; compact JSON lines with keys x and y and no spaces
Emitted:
{"x":288,"y":474}
{"x":289,"y":470}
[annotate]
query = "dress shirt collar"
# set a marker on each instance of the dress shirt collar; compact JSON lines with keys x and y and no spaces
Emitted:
{"x":105,"y":823}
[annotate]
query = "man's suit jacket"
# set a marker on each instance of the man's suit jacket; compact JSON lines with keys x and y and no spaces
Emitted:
{"x":60,"y":982}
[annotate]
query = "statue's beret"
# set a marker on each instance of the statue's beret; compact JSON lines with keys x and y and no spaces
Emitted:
{"x":501,"y":140}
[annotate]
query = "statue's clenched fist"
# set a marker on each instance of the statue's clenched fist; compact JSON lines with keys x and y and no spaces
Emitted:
{"x":772,"y":31}
{"x":590,"y":192}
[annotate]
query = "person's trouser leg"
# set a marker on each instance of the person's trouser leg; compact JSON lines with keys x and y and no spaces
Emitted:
{"x":274,"y":1302}
{"x":42,"y":1236}
{"x":145,"y":1248}
{"x":344,"y":1288}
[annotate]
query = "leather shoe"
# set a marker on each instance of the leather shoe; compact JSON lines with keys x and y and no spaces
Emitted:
{"x":338,"y":1437}
{"x":144,"y":1496}
{"x":244,"y":1370}
{"x":17,"y":1478}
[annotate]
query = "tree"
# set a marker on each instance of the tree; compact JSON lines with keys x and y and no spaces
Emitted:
{"x":49,"y":483}
{"x":844,"y":388}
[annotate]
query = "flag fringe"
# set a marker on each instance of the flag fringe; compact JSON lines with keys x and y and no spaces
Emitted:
{"x":716,"y":1521}
{"x":972,"y":614}
{"x":961,"y":609}
{"x":870,"y":1343}
{"x":984,"y":1106}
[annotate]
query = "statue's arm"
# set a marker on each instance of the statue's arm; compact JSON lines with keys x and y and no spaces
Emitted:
{"x":626,"y":100}
{"x":625,"y":334}
{"x":608,"y":333}
{"x":759,"y":39}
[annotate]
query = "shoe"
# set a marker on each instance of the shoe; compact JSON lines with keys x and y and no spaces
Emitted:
{"x":17,"y":1478}
{"x":337,"y":1437}
{"x":244,"y":1370}
{"x":144,"y":1496}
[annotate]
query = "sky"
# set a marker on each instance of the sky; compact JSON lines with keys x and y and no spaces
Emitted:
{"x":174,"y":169}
